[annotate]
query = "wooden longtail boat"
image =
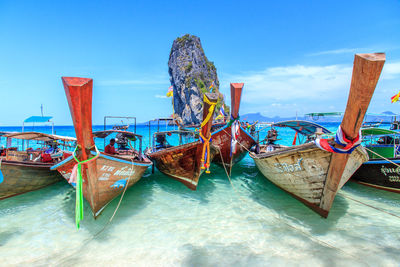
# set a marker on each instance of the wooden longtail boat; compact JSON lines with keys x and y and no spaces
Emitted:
{"x":186,"y":162}
{"x":29,"y":170}
{"x":383,"y":150}
{"x":105,"y":176}
{"x":314,"y":175}
{"x":232,"y":150}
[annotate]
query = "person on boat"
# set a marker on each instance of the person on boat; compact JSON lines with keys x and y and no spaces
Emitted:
{"x":110,"y":149}
{"x":161,"y":141}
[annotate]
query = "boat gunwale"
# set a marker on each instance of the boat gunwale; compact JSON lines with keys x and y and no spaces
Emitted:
{"x":27,"y":164}
{"x":145,"y":162}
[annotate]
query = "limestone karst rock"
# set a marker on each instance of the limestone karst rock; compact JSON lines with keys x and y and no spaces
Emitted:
{"x":191,"y":75}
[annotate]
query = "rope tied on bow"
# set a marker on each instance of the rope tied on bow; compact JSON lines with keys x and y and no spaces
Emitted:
{"x":79,"y":194}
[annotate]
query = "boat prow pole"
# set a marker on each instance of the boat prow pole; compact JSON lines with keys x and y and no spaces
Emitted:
{"x":366,"y":71}
{"x":236,"y":95}
{"x":79,"y":95}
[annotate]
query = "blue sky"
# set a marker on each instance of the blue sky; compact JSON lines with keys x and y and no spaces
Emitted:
{"x":291,"y":55}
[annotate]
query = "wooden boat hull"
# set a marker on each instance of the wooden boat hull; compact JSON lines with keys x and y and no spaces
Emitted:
{"x":20,"y":177}
{"x":182,"y":163}
{"x":379,"y":174}
{"x":112,"y":175}
{"x":222,"y":140}
{"x":302,"y":171}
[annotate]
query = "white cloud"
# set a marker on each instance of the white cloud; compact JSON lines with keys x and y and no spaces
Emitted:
{"x":339,"y":51}
{"x":286,"y":90}
{"x":293,"y":83}
{"x":391,"y":70}
{"x":160,"y":96}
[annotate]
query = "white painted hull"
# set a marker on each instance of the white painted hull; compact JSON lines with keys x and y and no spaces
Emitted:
{"x":302,"y":171}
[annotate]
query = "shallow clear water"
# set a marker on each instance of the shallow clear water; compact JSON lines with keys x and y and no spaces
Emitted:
{"x":249,"y":222}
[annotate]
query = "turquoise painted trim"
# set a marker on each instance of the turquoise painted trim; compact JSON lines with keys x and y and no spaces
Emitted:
{"x":373,"y":146}
{"x":61,"y":163}
{"x":217,"y":131}
{"x":124,"y":161}
{"x":382,"y":161}
{"x":248,"y":134}
{"x":103,"y":156}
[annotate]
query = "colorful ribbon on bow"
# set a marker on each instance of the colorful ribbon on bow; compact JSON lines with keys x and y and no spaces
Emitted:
{"x":1,"y":174}
{"x":205,"y":156}
{"x":79,"y":194}
{"x":341,"y":139}
{"x":235,"y":128}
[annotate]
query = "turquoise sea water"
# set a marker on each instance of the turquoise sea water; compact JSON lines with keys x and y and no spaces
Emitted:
{"x":245,"y":222}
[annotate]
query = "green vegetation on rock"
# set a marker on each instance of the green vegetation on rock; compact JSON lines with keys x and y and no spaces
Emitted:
{"x":183,"y":39}
{"x":189,"y":67}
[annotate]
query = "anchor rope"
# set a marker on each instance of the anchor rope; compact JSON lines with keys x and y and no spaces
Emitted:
{"x":119,"y":202}
{"x":363,"y":203}
{"x":64,"y":257}
{"x":379,"y":155}
{"x":238,"y":141}
{"x":289,"y":225}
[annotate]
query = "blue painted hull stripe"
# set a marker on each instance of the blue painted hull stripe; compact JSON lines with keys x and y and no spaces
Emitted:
{"x":217,"y":131}
{"x":61,"y":163}
{"x":382,"y":161}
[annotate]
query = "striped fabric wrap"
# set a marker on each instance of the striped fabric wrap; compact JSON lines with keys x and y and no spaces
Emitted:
{"x":341,"y":139}
{"x":235,"y":134}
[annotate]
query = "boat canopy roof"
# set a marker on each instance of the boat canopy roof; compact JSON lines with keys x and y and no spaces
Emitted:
{"x":382,"y":114}
{"x":39,"y":136}
{"x":163,"y":119}
{"x":38,"y":119}
{"x":4,"y":133}
{"x":104,"y":134}
{"x":322,"y":114}
{"x":302,"y":127}
{"x":376,"y":131}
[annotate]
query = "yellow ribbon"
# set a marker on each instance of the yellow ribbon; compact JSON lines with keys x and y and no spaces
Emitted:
{"x":210,"y":110}
{"x":206,"y":147}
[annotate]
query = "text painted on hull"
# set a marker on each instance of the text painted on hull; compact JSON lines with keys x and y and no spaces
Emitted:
{"x":284,"y":167}
{"x":391,"y":173}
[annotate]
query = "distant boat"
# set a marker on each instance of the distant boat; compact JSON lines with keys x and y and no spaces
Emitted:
{"x":383,"y":149}
{"x":232,"y":141}
{"x":27,"y":170}
{"x":186,"y":161}
{"x":313,"y":172}
{"x":105,"y":176}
